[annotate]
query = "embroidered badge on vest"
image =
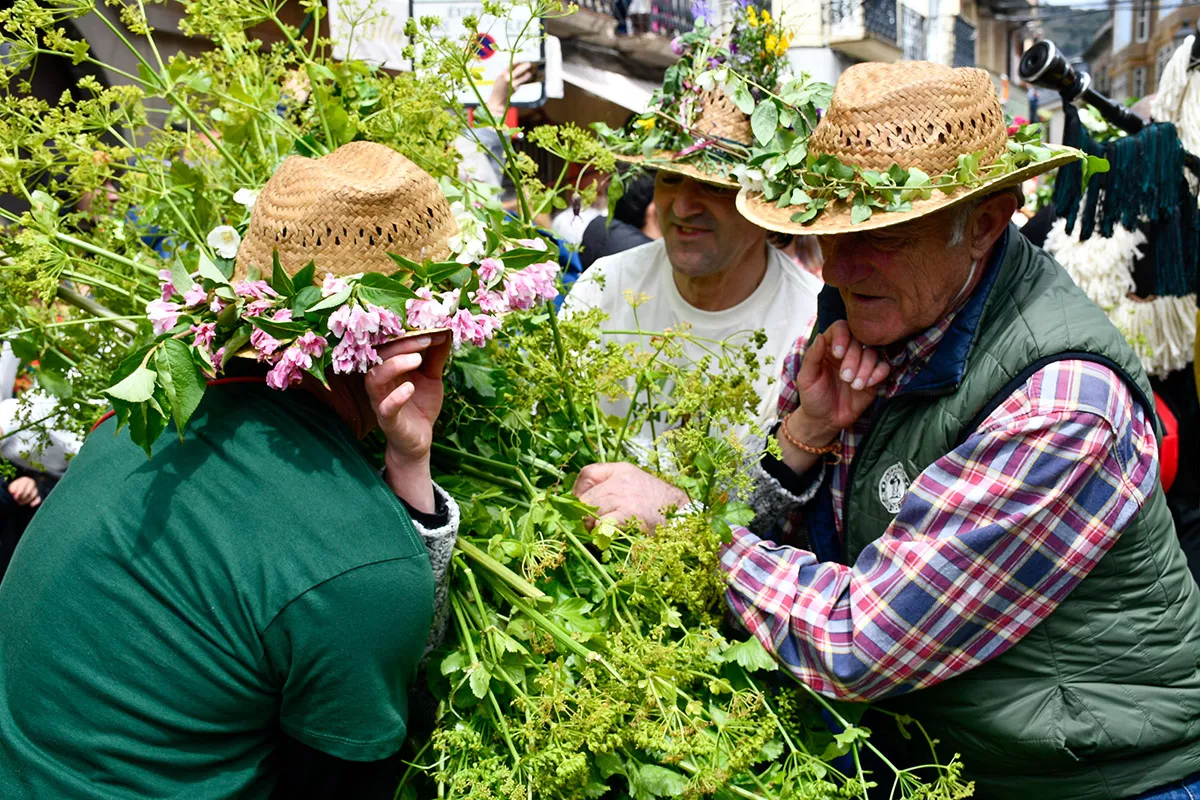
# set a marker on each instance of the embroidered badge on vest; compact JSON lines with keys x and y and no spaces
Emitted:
{"x":892,"y":487}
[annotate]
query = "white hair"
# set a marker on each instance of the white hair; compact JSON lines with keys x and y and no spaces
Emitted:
{"x":960,"y":215}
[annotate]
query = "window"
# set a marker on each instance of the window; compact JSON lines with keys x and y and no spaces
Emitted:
{"x":1139,"y":82}
{"x":1160,"y":62}
{"x":1141,"y":22}
{"x":1120,"y":87}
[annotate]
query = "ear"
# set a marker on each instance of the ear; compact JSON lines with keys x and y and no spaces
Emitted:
{"x":988,"y":223}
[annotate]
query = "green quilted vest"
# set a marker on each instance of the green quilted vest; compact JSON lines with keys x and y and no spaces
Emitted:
{"x":1102,"y":699}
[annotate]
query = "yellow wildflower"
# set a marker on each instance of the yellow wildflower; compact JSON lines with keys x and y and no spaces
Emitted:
{"x":751,"y":17}
{"x":766,"y":17}
{"x":785,"y":42}
{"x":645,"y":124}
{"x":772,"y":43}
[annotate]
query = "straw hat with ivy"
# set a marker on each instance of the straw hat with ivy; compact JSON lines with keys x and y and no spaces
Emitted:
{"x":897,"y":142}
{"x":700,"y":123}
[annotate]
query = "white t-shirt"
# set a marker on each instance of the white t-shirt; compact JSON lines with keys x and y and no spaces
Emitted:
{"x":784,"y":305}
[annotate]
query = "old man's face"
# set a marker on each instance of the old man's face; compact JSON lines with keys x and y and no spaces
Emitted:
{"x":701,"y":226}
{"x":899,"y":281}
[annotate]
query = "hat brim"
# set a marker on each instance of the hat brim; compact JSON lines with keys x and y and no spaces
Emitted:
{"x":663,"y":161}
{"x":836,"y":219}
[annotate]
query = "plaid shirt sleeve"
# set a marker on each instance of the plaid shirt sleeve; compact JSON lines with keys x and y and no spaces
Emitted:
{"x":989,"y":540}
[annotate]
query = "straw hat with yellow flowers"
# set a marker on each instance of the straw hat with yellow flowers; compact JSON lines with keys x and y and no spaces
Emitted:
{"x":699,"y":123}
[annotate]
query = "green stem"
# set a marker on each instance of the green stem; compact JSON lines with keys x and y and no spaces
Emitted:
{"x":100,"y":251}
{"x":89,"y":305}
{"x":512,"y":579}
{"x":560,"y":356}
{"x":10,"y":335}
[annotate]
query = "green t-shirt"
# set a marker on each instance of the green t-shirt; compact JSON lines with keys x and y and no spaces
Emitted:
{"x":165,"y":622}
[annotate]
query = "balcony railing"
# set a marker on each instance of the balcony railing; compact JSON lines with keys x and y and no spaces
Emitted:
{"x":666,"y":18}
{"x":912,"y":34}
{"x":964,"y":43}
{"x":853,"y":18}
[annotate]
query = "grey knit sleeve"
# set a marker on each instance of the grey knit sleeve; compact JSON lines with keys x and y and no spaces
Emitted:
{"x":771,"y":502}
{"x":440,"y":544}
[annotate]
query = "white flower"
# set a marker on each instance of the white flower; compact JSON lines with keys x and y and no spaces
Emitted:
{"x":707,"y":80}
{"x":245,"y":197}
{"x":225,"y":240}
{"x":749,"y":178}
{"x":469,"y":243}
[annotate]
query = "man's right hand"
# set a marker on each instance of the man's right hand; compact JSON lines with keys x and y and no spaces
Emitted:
{"x":621,"y":492}
{"x":837,"y":382}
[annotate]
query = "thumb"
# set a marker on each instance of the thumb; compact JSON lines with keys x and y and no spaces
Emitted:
{"x":591,"y":476}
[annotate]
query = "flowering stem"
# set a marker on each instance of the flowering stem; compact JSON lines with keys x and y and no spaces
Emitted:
{"x":560,"y":356}
{"x":100,"y":251}
{"x":493,"y":566}
{"x":89,"y":305}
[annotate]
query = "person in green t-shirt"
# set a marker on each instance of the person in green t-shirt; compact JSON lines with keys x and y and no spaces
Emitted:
{"x":243,"y":614}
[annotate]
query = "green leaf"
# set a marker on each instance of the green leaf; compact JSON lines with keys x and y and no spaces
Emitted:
{"x":281,"y":282}
{"x":478,"y":379}
{"x":861,"y":212}
{"x":1093,"y":165}
{"x":651,"y":780}
{"x":916,"y":179}
{"x":333,"y":301}
{"x":797,"y":153}
{"x":764,"y":121}
{"x":521,"y":257}
{"x":181,"y":381}
{"x":304,"y":278}
{"x":210,"y":271}
{"x":742,"y":98}
{"x":408,"y":265}
{"x":807,"y":215}
{"x":55,"y":383}
{"x":751,"y":655}
{"x":180,"y":278}
{"x":441,"y":270}
{"x":481,"y":679}
{"x":616,"y":190}
{"x":137,"y":388}
{"x":280,"y":330}
{"x":799,"y":198}
{"x":235,"y":343}
{"x":453,"y":663}
{"x":304,"y":299}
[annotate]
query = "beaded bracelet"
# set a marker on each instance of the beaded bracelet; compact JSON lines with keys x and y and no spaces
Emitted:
{"x":807,"y":448}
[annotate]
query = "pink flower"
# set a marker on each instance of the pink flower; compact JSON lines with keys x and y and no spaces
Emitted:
{"x":471,"y":328}
{"x":289,"y":370}
{"x":283,"y":315}
{"x":490,"y":302}
{"x":332,"y":285}
{"x":489,"y":270}
{"x":677,"y":46}
{"x":218,"y":357}
{"x":425,"y":311}
{"x":259,"y":308}
{"x":524,"y":289}
{"x":354,"y":322}
{"x":265,"y":344}
{"x":354,"y":356}
{"x":390,"y":324}
{"x":195,"y":296}
{"x":259,"y":290}
{"x":205,"y":332}
{"x":311,"y":344}
{"x":163,"y":314}
{"x":168,"y":288}
{"x":217,"y":305}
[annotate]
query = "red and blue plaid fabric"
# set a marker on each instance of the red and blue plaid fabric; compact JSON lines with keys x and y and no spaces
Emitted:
{"x":988,"y":541}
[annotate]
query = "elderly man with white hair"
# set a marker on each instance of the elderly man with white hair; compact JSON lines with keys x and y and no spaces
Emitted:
{"x":970,"y":469}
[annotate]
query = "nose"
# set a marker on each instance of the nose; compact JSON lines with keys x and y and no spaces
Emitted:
{"x":688,"y":200}
{"x":845,"y":263}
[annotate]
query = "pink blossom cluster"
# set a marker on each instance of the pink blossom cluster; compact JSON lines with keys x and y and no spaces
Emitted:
{"x":163,"y":315}
{"x":266,"y":344}
{"x":289,"y":369}
{"x":427,"y":312}
{"x":263,"y":297}
{"x":526,"y":288}
{"x":361,"y":329}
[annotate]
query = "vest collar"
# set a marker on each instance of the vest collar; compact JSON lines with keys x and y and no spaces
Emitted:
{"x":948,"y":364}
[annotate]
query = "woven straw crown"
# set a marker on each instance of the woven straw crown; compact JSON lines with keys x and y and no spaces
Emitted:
{"x":913,"y":113}
{"x":346,"y":211}
{"x":720,"y":118}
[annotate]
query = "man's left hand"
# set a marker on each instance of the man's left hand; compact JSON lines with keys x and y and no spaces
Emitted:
{"x":621,"y":492}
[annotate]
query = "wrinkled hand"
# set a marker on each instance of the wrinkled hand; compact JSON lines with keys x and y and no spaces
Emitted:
{"x":25,"y":492}
{"x":406,"y":395}
{"x":837,"y":382}
{"x":621,"y":492}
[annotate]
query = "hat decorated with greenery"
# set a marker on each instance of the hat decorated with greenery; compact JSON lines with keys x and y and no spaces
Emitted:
{"x":343,"y":253}
{"x":701,"y":122}
{"x":897,"y":142}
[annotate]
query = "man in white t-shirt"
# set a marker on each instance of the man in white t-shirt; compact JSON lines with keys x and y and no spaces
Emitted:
{"x":712,"y":269}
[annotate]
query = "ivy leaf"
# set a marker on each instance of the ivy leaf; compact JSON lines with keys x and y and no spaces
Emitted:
{"x":138,"y":387}
{"x":481,"y":679}
{"x":751,"y":655}
{"x":808,"y":215}
{"x":181,"y":381}
{"x":799,"y":198}
{"x":742,"y":98}
{"x":861,"y":212}
{"x":798,"y":153}
{"x":1093,"y":165}
{"x":916,"y":179}
{"x":651,"y":780}
{"x":872,"y":177}
{"x":764,"y":120}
